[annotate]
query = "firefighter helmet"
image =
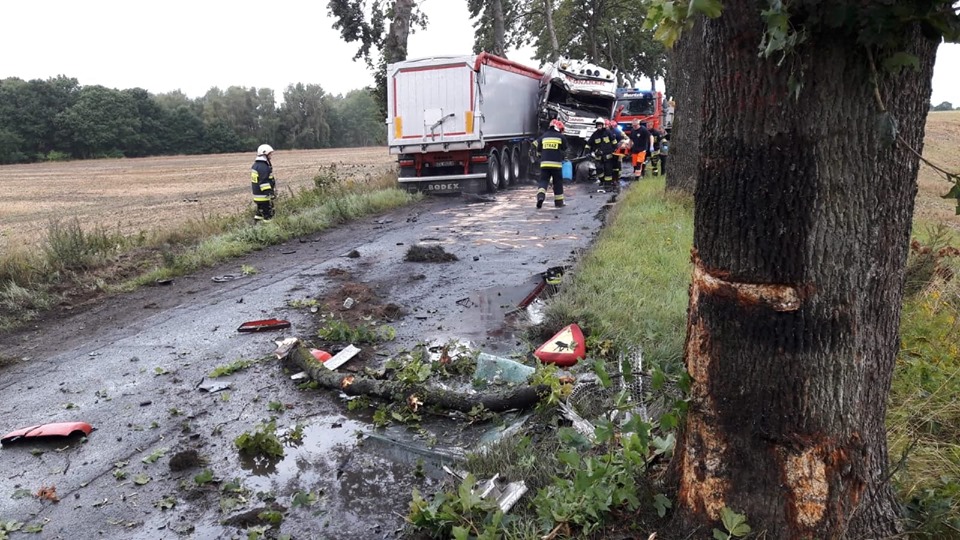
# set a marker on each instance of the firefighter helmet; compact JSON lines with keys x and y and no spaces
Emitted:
{"x":264,"y":149}
{"x":600,"y":122}
{"x":611,"y":123}
{"x":557,"y":125}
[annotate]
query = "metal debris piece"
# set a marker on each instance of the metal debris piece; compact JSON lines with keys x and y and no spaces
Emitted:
{"x":299,"y":376}
{"x":583,"y":427}
{"x":349,"y":303}
{"x":284,"y":346}
{"x":341,"y":357}
{"x":506,"y":496}
{"x":225,"y":278}
{"x":214,"y":386}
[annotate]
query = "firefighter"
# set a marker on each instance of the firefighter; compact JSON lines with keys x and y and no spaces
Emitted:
{"x":264,"y":184}
{"x":617,"y":137}
{"x":601,"y":144}
{"x":641,"y":146}
{"x":551,"y":147}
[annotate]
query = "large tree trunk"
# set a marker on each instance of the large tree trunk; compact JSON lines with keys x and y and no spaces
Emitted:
{"x":685,"y":83}
{"x":551,"y":31}
{"x":395,"y":44}
{"x":802,"y":219}
{"x":499,"y":39}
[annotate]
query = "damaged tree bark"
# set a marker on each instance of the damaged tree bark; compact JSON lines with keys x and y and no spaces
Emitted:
{"x":803,"y":212}
{"x":517,"y":398}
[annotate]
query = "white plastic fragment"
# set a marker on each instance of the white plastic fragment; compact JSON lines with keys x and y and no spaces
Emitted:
{"x":341,"y":357}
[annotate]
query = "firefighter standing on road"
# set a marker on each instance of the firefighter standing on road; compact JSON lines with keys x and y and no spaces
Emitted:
{"x":264,"y":184}
{"x":602,"y":144}
{"x":552,"y":147}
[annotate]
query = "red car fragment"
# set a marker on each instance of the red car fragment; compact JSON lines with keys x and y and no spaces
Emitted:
{"x":265,"y":324}
{"x":59,"y":429}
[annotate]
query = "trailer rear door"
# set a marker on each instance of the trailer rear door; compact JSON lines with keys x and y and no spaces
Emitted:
{"x":432,"y":101}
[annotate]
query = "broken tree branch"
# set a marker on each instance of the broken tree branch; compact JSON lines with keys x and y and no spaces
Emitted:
{"x":520,"y":397}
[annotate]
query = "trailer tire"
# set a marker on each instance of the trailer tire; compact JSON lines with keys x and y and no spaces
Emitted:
{"x":506,"y":168}
{"x":515,"y":172}
{"x":493,"y":172}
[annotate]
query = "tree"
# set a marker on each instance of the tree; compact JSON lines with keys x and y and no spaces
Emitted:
{"x":607,"y":32}
{"x":944,"y":106}
{"x":496,"y":25}
{"x":100,"y":122}
{"x":685,"y":83}
{"x":304,"y":117}
{"x":803,"y":209}
{"x":377,"y":48}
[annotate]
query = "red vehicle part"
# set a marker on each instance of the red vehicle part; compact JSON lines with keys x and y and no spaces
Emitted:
{"x":59,"y":429}
{"x":565,"y":348}
{"x":264,"y":324}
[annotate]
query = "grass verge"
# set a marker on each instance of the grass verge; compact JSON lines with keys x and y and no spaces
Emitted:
{"x":76,"y":264}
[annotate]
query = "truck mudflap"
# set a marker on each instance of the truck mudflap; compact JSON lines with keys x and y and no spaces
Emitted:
{"x":458,"y":183}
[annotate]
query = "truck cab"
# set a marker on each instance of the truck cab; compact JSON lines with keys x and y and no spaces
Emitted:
{"x":644,"y":105}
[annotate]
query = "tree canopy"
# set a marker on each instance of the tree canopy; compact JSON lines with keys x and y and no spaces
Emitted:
{"x":58,"y":119}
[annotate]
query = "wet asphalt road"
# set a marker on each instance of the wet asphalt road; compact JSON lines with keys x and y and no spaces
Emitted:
{"x":130,"y":366}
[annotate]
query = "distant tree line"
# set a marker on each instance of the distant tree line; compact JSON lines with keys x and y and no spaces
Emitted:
{"x":944,"y":106}
{"x":60,"y":119}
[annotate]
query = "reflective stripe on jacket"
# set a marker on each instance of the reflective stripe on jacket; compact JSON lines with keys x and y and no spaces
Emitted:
{"x":552,"y":146}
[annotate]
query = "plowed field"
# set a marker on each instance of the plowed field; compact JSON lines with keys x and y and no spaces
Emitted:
{"x":144,"y":194}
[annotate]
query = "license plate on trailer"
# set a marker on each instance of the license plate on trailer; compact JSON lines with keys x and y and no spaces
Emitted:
{"x":445,"y":163}
{"x":443,"y":186}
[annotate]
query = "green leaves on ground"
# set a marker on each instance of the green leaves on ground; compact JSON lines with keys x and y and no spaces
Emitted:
{"x":263,"y":442}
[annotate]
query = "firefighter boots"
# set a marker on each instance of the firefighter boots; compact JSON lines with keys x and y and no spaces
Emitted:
{"x":541,"y":196}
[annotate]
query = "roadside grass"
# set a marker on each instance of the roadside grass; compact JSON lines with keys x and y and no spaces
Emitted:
{"x":923,"y":419}
{"x":650,"y":234}
{"x":73,"y":263}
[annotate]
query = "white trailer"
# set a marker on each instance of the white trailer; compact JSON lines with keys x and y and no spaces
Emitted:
{"x":461,"y":123}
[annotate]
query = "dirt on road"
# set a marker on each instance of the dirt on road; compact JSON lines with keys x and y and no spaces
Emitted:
{"x":162,"y":462}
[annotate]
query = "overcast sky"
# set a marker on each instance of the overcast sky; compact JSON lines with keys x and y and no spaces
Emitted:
{"x":194,"y":45}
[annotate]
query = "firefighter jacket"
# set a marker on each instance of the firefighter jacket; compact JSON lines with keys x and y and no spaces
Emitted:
{"x":602,"y":142}
{"x":641,"y":139}
{"x":552,"y":146}
{"x":261,"y":174}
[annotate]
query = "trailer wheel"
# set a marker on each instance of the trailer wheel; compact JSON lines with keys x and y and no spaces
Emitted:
{"x":493,"y":172}
{"x":506,"y":169}
{"x":515,"y":165}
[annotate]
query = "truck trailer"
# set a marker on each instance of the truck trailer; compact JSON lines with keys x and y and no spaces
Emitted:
{"x":461,"y":123}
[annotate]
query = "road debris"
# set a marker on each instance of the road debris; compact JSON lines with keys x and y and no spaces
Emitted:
{"x":263,"y":325}
{"x":225,"y":278}
{"x":214,"y":386}
{"x":565,"y":348}
{"x":349,"y":303}
{"x":494,"y":369}
{"x":58,"y":429}
{"x":429,"y":254}
{"x":284,"y":346}
{"x":505,"y":495}
{"x":320,"y":355}
{"x":299,"y":376}
{"x":341,"y":357}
